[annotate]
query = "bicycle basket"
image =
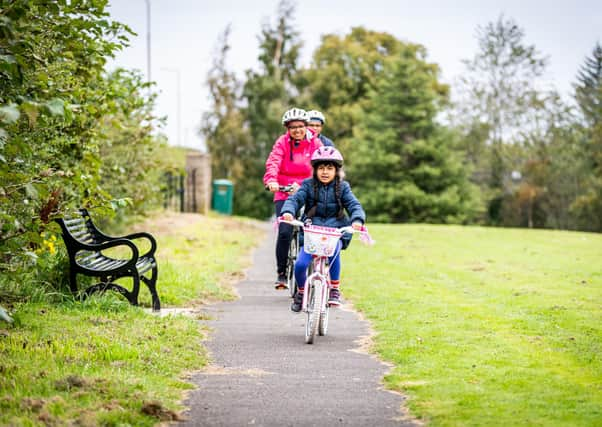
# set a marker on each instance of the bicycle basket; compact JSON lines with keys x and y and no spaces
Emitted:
{"x":320,"y":241}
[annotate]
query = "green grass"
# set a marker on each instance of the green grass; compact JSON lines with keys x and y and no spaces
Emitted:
{"x":104,"y":362}
{"x":485,"y":327}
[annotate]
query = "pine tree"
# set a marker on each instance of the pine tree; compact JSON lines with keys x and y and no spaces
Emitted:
{"x":401,"y":164}
{"x":588,"y":93}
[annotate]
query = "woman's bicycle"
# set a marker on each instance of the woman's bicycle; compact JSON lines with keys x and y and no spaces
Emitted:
{"x":293,"y":249}
{"x":321,"y":243}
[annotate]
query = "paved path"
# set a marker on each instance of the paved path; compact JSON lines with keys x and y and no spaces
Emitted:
{"x":263,"y":373}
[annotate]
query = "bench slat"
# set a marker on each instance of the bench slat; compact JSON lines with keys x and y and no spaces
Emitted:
{"x":72,"y":221}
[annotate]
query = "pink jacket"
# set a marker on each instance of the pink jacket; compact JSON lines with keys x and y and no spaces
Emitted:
{"x":287,"y":164}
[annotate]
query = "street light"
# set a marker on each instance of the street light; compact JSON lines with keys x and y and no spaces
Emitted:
{"x":179,"y":101}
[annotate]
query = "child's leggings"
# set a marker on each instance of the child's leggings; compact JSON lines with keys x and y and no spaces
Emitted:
{"x":304,"y":259}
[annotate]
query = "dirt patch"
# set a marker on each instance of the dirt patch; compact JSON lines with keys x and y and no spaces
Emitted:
{"x":218,"y":370}
{"x":156,"y":409}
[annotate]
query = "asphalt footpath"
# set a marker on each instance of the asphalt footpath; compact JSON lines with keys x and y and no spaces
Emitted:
{"x":262,"y":373}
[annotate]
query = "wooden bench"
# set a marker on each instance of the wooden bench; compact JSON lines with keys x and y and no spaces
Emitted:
{"x":85,"y":244}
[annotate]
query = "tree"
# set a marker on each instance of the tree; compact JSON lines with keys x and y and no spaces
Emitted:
{"x":401,"y":164}
{"x":63,"y":122}
{"x":223,"y":126}
{"x":588,"y":93}
{"x":588,"y":90}
{"x":342,"y":73}
{"x":499,"y":101}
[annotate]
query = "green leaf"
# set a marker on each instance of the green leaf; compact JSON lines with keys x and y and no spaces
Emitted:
{"x":9,"y":113}
{"x":31,"y":191}
{"x":55,"y":107}
{"x":31,"y":109}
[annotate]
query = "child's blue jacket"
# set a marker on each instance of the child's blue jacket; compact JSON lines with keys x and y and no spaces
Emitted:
{"x":327,"y":207}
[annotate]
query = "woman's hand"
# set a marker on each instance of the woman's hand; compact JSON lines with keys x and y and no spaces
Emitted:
{"x":287,"y":216}
{"x":295,"y":188}
{"x":357,"y":226}
{"x":273,"y":186}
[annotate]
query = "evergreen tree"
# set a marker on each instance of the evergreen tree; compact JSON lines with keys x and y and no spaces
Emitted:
{"x":588,"y":90}
{"x":401,"y":164}
{"x":343,"y":71}
{"x":588,"y":93}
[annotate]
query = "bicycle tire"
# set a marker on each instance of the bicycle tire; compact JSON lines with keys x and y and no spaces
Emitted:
{"x":293,"y":250}
{"x":323,"y":322}
{"x":324,"y":315}
{"x":313,"y":312}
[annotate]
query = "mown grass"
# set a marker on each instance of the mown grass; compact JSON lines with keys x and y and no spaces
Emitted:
{"x":485,"y":327}
{"x":104,"y":362}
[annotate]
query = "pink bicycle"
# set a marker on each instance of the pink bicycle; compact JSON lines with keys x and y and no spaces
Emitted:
{"x":321,"y":243}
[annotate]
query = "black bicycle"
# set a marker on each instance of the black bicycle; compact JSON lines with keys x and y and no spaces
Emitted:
{"x":293,"y":249}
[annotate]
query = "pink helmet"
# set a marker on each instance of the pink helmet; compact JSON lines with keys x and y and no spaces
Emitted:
{"x":326,"y":154}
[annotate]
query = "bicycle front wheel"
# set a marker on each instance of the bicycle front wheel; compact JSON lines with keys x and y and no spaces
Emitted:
{"x":314,"y":303}
{"x":323,"y":323}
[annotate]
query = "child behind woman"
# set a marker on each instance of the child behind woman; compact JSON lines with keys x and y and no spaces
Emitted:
{"x":326,"y":197}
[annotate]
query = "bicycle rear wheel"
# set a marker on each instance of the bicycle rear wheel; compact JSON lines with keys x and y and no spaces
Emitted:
{"x":314,"y":303}
{"x":293,"y":250}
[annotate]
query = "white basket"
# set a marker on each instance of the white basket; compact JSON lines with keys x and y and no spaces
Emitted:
{"x":320,"y":241}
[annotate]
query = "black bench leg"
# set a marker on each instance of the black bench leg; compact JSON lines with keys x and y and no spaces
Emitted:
{"x":152,"y":287}
{"x":73,"y":281}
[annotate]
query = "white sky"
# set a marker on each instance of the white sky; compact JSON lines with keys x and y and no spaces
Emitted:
{"x":184,"y":35}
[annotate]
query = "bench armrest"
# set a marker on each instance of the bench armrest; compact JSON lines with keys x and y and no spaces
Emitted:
{"x":112,"y":244}
{"x":144,"y":235}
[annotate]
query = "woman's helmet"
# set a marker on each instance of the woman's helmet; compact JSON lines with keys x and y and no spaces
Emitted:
{"x":326,"y":155}
{"x":295,"y":114}
{"x":316,"y":115}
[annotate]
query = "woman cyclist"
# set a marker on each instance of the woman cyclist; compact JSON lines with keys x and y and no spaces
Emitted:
{"x":326,"y":197}
{"x":289,"y":163}
{"x":316,"y":122}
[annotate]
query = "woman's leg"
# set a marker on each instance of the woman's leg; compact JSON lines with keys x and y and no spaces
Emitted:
{"x":285,"y":233}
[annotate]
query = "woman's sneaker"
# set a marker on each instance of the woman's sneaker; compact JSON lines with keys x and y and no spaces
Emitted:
{"x":334,"y":298}
{"x":281,"y":282}
{"x":297,"y":302}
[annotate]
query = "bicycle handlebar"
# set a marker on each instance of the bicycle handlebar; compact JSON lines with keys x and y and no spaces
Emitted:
{"x":285,"y":188}
{"x":346,"y":229}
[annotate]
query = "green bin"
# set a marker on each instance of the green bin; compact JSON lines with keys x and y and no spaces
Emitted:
{"x":223,"y":191}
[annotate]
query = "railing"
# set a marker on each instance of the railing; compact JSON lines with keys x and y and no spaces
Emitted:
{"x":173,"y":191}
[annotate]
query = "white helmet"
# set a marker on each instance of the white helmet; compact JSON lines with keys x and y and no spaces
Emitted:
{"x":316,"y":115}
{"x":295,"y":114}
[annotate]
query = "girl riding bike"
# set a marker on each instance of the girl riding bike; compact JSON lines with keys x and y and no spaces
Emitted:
{"x":326,"y":197}
{"x":289,"y":163}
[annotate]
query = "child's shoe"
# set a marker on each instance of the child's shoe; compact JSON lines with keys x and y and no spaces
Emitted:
{"x":334,"y":297}
{"x":297,"y":302}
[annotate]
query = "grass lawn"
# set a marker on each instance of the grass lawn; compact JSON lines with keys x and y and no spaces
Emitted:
{"x":104,"y":362}
{"x":485,"y":326}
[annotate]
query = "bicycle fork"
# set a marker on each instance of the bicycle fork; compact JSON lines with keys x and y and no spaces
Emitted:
{"x":317,"y":281}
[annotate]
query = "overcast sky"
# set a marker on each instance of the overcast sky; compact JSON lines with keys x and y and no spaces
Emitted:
{"x":184,"y":35}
